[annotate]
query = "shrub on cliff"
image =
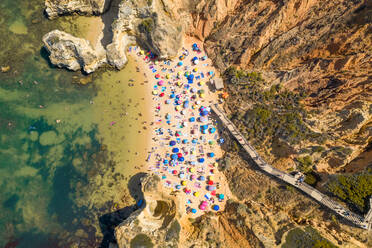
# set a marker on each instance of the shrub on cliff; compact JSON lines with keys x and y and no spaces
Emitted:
{"x":354,"y":189}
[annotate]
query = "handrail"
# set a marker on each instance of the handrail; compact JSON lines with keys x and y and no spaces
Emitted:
{"x":314,"y":193}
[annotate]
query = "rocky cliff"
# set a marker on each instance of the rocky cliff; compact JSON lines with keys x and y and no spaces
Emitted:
{"x":317,"y":47}
{"x":54,"y":8}
{"x":67,"y":51}
{"x":156,"y":222}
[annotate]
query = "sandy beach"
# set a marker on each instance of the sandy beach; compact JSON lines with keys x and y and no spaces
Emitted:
{"x":185,"y":147}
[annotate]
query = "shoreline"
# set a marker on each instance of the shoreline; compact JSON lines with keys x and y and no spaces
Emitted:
{"x":159,"y":147}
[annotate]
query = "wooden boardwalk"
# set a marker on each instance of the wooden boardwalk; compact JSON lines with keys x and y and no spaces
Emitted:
{"x":363,"y":222}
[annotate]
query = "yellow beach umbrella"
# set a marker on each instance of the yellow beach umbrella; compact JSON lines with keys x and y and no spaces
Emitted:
{"x":202,"y":95}
{"x":167,"y":76}
{"x":192,"y":169}
{"x":154,"y":92}
{"x":201,"y":83}
{"x":178,"y":108}
{"x":195,"y":69}
{"x":183,"y":183}
{"x":142,"y":52}
{"x":196,"y":194}
{"x":211,"y":178}
{"x":215,"y":164}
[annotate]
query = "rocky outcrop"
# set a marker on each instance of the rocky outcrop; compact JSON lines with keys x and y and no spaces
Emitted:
{"x":155,"y":223}
{"x":317,"y":47}
{"x":55,"y":8}
{"x":152,"y":26}
{"x":116,"y":50}
{"x":67,"y":51}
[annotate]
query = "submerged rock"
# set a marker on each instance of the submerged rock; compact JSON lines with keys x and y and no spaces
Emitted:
{"x":55,"y":8}
{"x":67,"y":51}
{"x":5,"y":69}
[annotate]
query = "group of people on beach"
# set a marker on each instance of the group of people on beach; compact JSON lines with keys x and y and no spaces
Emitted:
{"x":185,"y":151}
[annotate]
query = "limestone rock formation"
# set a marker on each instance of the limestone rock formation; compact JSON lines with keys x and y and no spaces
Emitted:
{"x":155,"y":223}
{"x":320,"y":47}
{"x":67,"y":51}
{"x":55,"y":8}
{"x":151,"y":25}
{"x":116,"y":50}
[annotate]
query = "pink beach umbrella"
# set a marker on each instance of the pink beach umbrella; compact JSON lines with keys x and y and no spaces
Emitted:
{"x":161,"y":82}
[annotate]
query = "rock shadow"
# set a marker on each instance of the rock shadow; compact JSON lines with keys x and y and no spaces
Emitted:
{"x":108,"y":222}
{"x":108,"y":18}
{"x":45,"y":55}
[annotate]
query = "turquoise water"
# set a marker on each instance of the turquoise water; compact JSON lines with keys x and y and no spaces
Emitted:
{"x":57,"y":176}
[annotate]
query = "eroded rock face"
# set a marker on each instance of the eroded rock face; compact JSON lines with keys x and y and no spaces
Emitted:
{"x":67,"y":51}
{"x":318,"y":46}
{"x":155,"y":223}
{"x":55,"y":8}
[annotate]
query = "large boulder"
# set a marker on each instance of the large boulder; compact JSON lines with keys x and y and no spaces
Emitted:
{"x":55,"y":8}
{"x":67,"y":51}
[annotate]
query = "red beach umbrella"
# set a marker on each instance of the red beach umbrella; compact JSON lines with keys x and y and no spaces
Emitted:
{"x":210,"y":182}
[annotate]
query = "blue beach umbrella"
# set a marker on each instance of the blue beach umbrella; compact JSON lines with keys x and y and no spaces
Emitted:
{"x":165,"y":161}
{"x":202,"y":178}
{"x":216,"y":207}
{"x":194,"y":141}
{"x":172,"y":143}
{"x":193,"y":210}
{"x":201,"y":160}
{"x":192,"y":119}
{"x":181,"y":159}
{"x":174,"y":156}
{"x":211,"y":155}
{"x":175,"y":150}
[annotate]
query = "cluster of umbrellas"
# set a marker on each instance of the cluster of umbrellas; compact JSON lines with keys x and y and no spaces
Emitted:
{"x":187,"y":165}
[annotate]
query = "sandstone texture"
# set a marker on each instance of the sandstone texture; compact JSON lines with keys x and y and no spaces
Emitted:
{"x":54,"y":8}
{"x":318,"y":47}
{"x":67,"y":51}
{"x":155,"y":223}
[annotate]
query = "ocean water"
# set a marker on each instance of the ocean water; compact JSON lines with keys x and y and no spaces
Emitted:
{"x":67,"y":150}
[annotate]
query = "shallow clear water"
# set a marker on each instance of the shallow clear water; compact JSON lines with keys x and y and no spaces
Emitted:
{"x":63,"y":163}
